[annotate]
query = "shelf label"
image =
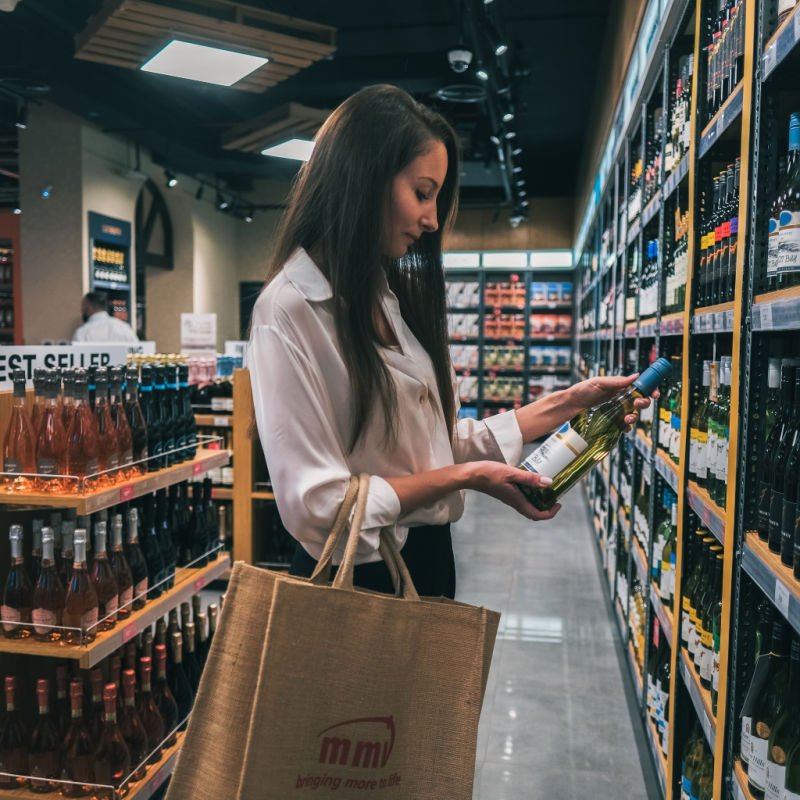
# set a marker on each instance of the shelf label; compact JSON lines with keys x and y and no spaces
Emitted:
{"x":782,"y":595}
{"x":197,"y":467}
{"x":199,"y":583}
{"x":222,"y":422}
{"x":129,"y":632}
{"x":765,"y":314}
{"x":729,"y":320}
{"x":126,"y":492}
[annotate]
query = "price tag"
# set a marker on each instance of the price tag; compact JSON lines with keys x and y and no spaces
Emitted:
{"x":770,"y":57}
{"x":199,"y":583}
{"x":765,"y":312}
{"x":782,"y":595}
{"x":729,"y":320}
{"x":197,"y":467}
{"x":129,"y":632}
{"x":222,"y":422}
{"x":126,"y":493}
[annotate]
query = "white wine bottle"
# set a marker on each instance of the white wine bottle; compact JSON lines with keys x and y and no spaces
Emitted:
{"x":586,"y":439}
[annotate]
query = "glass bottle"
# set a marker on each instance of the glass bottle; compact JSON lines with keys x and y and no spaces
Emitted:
{"x":781,"y":464}
{"x":151,"y":547}
{"x":103,"y":579}
{"x":789,"y":220}
{"x":198,"y":528}
{"x":151,"y":410}
{"x":148,"y":710}
{"x":111,"y":756}
{"x":786,"y":730}
{"x":162,"y":695}
{"x":78,"y":748}
{"x":138,"y":426}
{"x":62,"y":709}
{"x":190,"y":662}
{"x":165,"y":539}
{"x":36,"y":549}
{"x":82,"y":606}
{"x":189,"y":422}
{"x":83,"y":437}
{"x":136,"y":561}
{"x":67,"y":550}
{"x":13,"y":740}
{"x":122,"y":427}
{"x":213,"y":613}
{"x":212,"y":520}
{"x":15,"y":612}
{"x":121,"y":570}
{"x":133,"y":730}
{"x":178,"y":682}
{"x":37,"y":410}
{"x":44,"y":751}
{"x":48,"y":595}
{"x":668,"y":556}
{"x":171,"y":420}
{"x":19,"y":443}
{"x":716,"y":632}
{"x":51,"y":443}
{"x":97,"y":706}
{"x":109,"y":445}
{"x":184,"y":530}
{"x":201,"y":623}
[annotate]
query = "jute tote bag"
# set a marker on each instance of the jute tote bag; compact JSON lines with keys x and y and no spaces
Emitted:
{"x":363,"y":694}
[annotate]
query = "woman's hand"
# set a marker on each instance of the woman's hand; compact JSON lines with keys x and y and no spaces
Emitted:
{"x":502,"y":482}
{"x":594,"y":391}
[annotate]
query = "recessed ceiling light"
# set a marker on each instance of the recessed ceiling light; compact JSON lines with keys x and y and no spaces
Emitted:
{"x":199,"y":62}
{"x":482,"y":74}
{"x":299,"y":149}
{"x":501,"y":49}
{"x":508,"y":116}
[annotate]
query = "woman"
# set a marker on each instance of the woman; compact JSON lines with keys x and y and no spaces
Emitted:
{"x":349,"y":353}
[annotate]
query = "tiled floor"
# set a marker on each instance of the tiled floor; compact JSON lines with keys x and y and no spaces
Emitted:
{"x":556,"y":722}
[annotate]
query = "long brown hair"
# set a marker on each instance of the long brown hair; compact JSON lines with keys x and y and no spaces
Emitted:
{"x":336,"y":208}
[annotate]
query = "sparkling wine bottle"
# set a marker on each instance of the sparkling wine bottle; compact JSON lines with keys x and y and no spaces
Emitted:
{"x":62,"y":708}
{"x":163,"y":695}
{"x":48,"y":596}
{"x":107,"y":433}
{"x":148,"y":710}
{"x":189,"y":422}
{"x":82,"y":606}
{"x":19,"y":443}
{"x":213,"y":613}
{"x":112,"y":759}
{"x":132,"y":727}
{"x":36,"y":549}
{"x":39,"y":379}
{"x":67,"y":549}
{"x":586,"y":439}
{"x":201,"y":624}
{"x":136,"y":561}
{"x":179,"y":684}
{"x":212,"y":519}
{"x":121,"y":569}
{"x":165,"y":539}
{"x":51,"y":443}
{"x":78,"y":748}
{"x":44,"y":751}
{"x":136,"y":421}
{"x":15,"y":612}
{"x":198,"y":528}
{"x":151,"y":411}
{"x":122,"y":427}
{"x":83,"y":437}
{"x":104,"y":581}
{"x":151,"y":547}
{"x":13,"y":740}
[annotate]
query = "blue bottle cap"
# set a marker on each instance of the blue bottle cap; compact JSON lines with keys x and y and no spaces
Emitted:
{"x":794,"y":131}
{"x":647,"y":382}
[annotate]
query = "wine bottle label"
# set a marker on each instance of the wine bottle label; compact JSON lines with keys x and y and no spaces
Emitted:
{"x":693,"y":641}
{"x":557,"y":452}
{"x":88,"y":619}
{"x":746,"y":743}
{"x":686,"y":788}
{"x":701,"y":469}
{"x":140,"y":588}
{"x":11,"y":465}
{"x":125,"y":597}
{"x":46,"y":466}
{"x":9,"y":614}
{"x":757,"y":766}
{"x":706,"y":664}
{"x":664,"y":582}
{"x":715,"y":671}
{"x":775,"y":515}
{"x":789,"y":241}
{"x":776,"y":778}
{"x":43,"y":620}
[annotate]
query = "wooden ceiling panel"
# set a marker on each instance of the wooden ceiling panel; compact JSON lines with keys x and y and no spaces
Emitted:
{"x":282,"y":123}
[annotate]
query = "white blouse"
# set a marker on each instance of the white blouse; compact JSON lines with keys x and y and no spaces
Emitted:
{"x":303,"y":401}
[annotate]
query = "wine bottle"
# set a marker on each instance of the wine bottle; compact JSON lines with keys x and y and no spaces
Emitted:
{"x":198,"y":527}
{"x":67,"y":549}
{"x":148,"y":710}
{"x":51,"y":443}
{"x":786,"y":730}
{"x":62,"y":707}
{"x":699,"y":431}
{"x":81,"y":608}
{"x":68,"y":401}
{"x":178,"y":682}
{"x":668,"y":556}
{"x":165,"y":539}
{"x":111,"y":756}
{"x":97,"y":707}
{"x":585,"y":440}
{"x":151,"y":410}
{"x":162,"y":695}
{"x":102,"y":575}
{"x":716,"y":633}
{"x":190,"y":662}
{"x":78,"y":748}
{"x":136,"y":421}
{"x":189,"y":422}
{"x":132,"y":728}
{"x":48,"y":595}
{"x":170,"y":412}
{"x":691,"y":760}
{"x":83,"y":437}
{"x":109,"y":445}
{"x":122,"y":428}
{"x":773,"y":228}
{"x":136,"y":561}
{"x":212,"y":520}
{"x":184,"y":533}
{"x":13,"y":740}
{"x":789,"y":220}
{"x":781,"y":459}
{"x":201,"y":623}
{"x":767,"y":708}
{"x":151,"y":547}
{"x":772,"y":406}
{"x":212,"y":623}
{"x":15,"y":613}
{"x":19,"y":444}
{"x":44,"y":751}
{"x":709,"y":604}
{"x":121,"y":570}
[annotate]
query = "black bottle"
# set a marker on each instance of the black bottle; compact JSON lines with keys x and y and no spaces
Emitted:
{"x":189,"y":423}
{"x":151,"y":547}
{"x":198,"y":528}
{"x":152,"y":417}
{"x":176,"y":678}
{"x":165,"y":536}
{"x":212,"y":519}
{"x":165,"y":376}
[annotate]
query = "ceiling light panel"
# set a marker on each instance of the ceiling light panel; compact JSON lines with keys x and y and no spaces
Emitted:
{"x":299,"y":149}
{"x":198,"y":62}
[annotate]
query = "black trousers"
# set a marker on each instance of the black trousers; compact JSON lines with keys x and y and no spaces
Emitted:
{"x":428,"y":553}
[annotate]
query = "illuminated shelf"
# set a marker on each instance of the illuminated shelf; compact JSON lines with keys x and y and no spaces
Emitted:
{"x":776,"y":311}
{"x":731,"y":111}
{"x":187,"y":583}
{"x":701,"y":699}
{"x":709,"y":512}
{"x":88,"y":503}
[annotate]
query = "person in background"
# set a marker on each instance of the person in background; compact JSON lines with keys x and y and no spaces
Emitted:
{"x":99,"y":325}
{"x":349,"y":356}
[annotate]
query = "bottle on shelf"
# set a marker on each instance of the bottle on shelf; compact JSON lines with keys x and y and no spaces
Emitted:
{"x":37,"y":409}
{"x":44,"y":750}
{"x":83,"y":437}
{"x":19,"y":444}
{"x":15,"y":613}
{"x":132,"y":728}
{"x":96,"y":707}
{"x":590,"y":435}
{"x":201,"y":625}
{"x":121,"y":569}
{"x":112,"y":759}
{"x":122,"y":428}
{"x":62,"y":708}
{"x":136,"y":421}
{"x":148,"y":710}
{"x":212,"y":520}
{"x":178,"y":682}
{"x":198,"y":529}
{"x":781,"y":465}
{"x":136,"y":561}
{"x":162,"y":694}
{"x":668,"y":554}
{"x":14,"y":739}
{"x":213,"y":614}
{"x":716,"y":636}
{"x":708,"y":604}
{"x":788,"y":259}
{"x":51,"y":442}
{"x":151,"y":410}
{"x":78,"y":749}
{"x":785,"y":731}
{"x":48,"y":595}
{"x":81,"y":607}
{"x":165,"y":537}
{"x":104,"y":580}
{"x":189,"y":423}
{"x":108,"y":454}
{"x":697,"y":767}
{"x":151,"y":547}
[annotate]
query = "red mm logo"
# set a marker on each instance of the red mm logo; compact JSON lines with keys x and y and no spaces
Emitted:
{"x":365,"y":742}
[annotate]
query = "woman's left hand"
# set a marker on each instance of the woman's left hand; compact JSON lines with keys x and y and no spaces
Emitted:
{"x":597,"y":390}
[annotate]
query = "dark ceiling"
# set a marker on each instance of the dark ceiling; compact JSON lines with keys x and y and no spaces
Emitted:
{"x":551,"y":67}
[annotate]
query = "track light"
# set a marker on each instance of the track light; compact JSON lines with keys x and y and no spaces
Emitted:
{"x":517,"y":170}
{"x":248,"y":217}
{"x":508,"y":116}
{"x":524,"y":203}
{"x":17,"y":210}
{"x":521,"y":182}
{"x":22,"y":117}
{"x":517,"y":151}
{"x":511,"y":134}
{"x":494,"y":139}
{"x":522,"y":193}
{"x":501,"y":49}
{"x":222,"y":203}
{"x":488,"y":2}
{"x":171,"y":178}
{"x":481,"y":74}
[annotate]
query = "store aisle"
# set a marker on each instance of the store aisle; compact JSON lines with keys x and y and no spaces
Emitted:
{"x":556,"y":722}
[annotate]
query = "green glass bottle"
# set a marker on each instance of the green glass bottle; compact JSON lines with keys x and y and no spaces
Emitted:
{"x":586,"y":439}
{"x":786,"y":730}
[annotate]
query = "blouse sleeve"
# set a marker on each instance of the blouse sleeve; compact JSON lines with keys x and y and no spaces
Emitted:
{"x":304,"y":452}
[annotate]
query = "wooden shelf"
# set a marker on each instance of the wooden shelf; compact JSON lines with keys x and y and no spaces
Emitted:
{"x":187,"y":583}
{"x":731,"y":110}
{"x":709,"y":512}
{"x":663,"y":613}
{"x":262,"y":496}
{"x":222,"y":493}
{"x":701,"y":699}
{"x":88,"y":503}
{"x":135,"y":790}
{"x":658,"y":754}
{"x":214,"y":420}
{"x":713,"y":319}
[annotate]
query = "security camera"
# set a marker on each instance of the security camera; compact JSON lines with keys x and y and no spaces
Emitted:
{"x":460,"y":58}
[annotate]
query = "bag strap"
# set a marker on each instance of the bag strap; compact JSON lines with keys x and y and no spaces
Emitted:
{"x":404,"y":585}
{"x":322,"y":572}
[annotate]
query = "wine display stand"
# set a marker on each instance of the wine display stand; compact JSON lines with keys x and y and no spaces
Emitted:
{"x":188,"y":581}
{"x":90,"y":502}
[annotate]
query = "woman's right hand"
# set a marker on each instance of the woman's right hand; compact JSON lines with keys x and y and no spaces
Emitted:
{"x":502,"y":482}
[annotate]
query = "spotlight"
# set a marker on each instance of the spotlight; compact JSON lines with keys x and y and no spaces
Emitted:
{"x":248,"y":217}
{"x":524,"y":203}
{"x":460,"y":58}
{"x":516,"y":219}
{"x":198,"y":195}
{"x":222,"y":203}
{"x":517,"y":170}
{"x":508,"y":116}
{"x":488,"y":2}
{"x":494,"y":139}
{"x":501,"y":49}
{"x":521,"y":182}
{"x":516,"y":151}
{"x":17,"y":210}
{"x":481,"y":74}
{"x":511,"y":134}
{"x":170,"y":178}
{"x":22,"y":117}
{"x":522,"y":193}
{"x":46,"y":192}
